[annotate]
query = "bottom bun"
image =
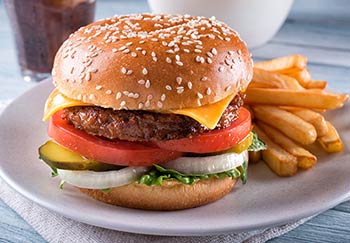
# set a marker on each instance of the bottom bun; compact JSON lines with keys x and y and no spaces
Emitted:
{"x":171,"y":195}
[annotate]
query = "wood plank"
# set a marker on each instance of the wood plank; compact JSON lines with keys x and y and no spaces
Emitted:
{"x":299,"y":33}
{"x":331,"y":226}
{"x":316,"y":55}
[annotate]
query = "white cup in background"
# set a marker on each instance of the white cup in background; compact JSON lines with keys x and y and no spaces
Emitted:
{"x":257,"y":21}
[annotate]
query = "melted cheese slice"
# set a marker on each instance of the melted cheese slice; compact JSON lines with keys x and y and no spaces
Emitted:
{"x":58,"y":101}
{"x":207,"y":115}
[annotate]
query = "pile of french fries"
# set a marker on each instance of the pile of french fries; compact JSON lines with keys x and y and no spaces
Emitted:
{"x":287,"y":106}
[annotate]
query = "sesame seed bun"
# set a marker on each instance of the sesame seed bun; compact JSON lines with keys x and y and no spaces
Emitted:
{"x":152,"y":62}
{"x":171,"y":195}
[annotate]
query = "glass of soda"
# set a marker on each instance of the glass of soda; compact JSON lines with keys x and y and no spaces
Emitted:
{"x":41,"y":26}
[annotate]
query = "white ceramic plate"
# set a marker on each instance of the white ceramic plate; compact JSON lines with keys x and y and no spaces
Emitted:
{"x":265,"y":201}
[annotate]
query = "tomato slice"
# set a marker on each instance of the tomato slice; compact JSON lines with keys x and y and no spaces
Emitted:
{"x":213,"y":141}
{"x":113,"y":152}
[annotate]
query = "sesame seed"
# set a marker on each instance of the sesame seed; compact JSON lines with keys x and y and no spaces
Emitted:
{"x":133,"y":54}
{"x":186,"y":50}
{"x":204,"y":79}
{"x":155,"y":59}
{"x":220,"y":69}
{"x":170,"y":51}
{"x":123,"y":70}
{"x":209,"y":54}
{"x":147,"y":84}
{"x":214,"y":51}
{"x":140,"y":105}
{"x":129,"y":72}
{"x":98,"y":87}
{"x":179,"y":63}
{"x":209,"y":60}
{"x":141,"y":81}
{"x":87,"y":76}
{"x":153,"y":54}
{"x":144,"y":52}
{"x":200,"y":96}
{"x":118,"y":96}
{"x":178,"y":80}
{"x":114,"y":50}
{"x":168,"y":87}
{"x":147,"y":103}
{"x":126,"y":51}
{"x":189,"y":85}
{"x":180,"y":89}
{"x":197,"y":51}
{"x":159,"y":104}
{"x":122,"y":48}
{"x":199,"y":47}
{"x":136,"y":95}
{"x":138,"y":49}
{"x":208,"y":92}
{"x":149,"y":97}
{"x":125,"y":92}
{"x":168,"y":60}
{"x":227,"y":88}
{"x":154,"y":39}
{"x":164,"y":43}
{"x":144,"y":71}
{"x":202,"y":60}
{"x":198,"y":59}
{"x":162,"y":98}
{"x":227,"y":38}
{"x":129,"y":43}
{"x":108,"y":92}
{"x":177,"y":57}
{"x":142,"y":41}
{"x":122,"y":103}
{"x":91,"y":96}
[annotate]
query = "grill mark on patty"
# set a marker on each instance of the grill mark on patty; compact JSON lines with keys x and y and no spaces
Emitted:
{"x":133,"y":125}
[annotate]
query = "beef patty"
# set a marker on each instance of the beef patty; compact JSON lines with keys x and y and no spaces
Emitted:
{"x":133,"y":125}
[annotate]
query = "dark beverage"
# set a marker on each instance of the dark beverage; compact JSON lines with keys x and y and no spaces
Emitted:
{"x":41,"y":26}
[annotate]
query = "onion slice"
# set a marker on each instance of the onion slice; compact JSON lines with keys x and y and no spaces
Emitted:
{"x":104,"y":179}
{"x":208,"y":164}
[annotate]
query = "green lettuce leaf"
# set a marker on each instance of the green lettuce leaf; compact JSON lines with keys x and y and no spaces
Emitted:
{"x":158,"y":174}
{"x":257,"y":144}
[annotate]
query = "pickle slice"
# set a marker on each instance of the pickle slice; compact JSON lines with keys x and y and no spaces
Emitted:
{"x":59,"y":157}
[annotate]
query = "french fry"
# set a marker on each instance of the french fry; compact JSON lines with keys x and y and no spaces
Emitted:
{"x":280,"y":63}
{"x":288,"y":123}
{"x":316,"y":119}
{"x":312,"y":99}
{"x":276,"y":80}
{"x":305,"y":159}
{"x":316,"y":84}
{"x":302,"y":75}
{"x":280,"y":161}
{"x":254,"y":156}
{"x":331,"y":142}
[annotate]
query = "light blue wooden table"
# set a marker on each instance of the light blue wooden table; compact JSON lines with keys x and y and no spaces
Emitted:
{"x":318,"y":29}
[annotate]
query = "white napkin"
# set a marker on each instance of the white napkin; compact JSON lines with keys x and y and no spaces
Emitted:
{"x":56,"y":228}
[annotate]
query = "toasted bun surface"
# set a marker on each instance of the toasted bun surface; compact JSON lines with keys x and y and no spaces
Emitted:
{"x":152,"y":62}
{"x":171,"y":195}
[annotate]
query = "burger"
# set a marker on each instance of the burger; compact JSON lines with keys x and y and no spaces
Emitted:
{"x":147,"y":111}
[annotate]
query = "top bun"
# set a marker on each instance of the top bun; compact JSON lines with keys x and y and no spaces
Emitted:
{"x":152,"y":62}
